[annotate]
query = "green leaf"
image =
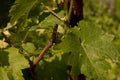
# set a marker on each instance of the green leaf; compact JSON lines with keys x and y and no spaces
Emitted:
{"x":49,"y":3}
{"x":51,"y":20}
{"x":21,"y":8}
{"x":29,"y":47}
{"x":94,"y":39}
{"x":71,"y":45}
{"x":17,"y":62}
{"x":97,"y":47}
{"x":17,"y":38}
{"x":89,"y":49}
{"x":55,"y":70}
{"x":3,"y":73}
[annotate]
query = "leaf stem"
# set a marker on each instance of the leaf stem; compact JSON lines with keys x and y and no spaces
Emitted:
{"x":53,"y":13}
{"x":70,"y":9}
{"x":24,"y":38}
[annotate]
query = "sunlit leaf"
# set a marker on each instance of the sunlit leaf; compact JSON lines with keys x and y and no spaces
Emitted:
{"x":3,"y":44}
{"x":3,"y":73}
{"x":17,"y":63}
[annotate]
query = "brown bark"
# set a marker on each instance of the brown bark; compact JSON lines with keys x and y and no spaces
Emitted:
{"x":77,"y":11}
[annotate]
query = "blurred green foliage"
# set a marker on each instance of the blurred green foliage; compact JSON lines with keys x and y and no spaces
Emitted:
{"x":106,"y":14}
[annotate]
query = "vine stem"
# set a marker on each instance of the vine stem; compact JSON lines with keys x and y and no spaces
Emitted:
{"x":50,"y":44}
{"x":42,"y":53}
{"x":70,"y":10}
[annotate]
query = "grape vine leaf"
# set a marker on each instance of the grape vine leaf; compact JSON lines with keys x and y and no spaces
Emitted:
{"x":29,"y":47}
{"x":51,"y":20}
{"x":3,"y":44}
{"x":17,"y":62}
{"x":21,"y":8}
{"x":55,"y":70}
{"x":95,"y":39}
{"x":89,"y":49}
{"x":3,"y":73}
{"x":97,"y":48}
{"x":71,"y":45}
